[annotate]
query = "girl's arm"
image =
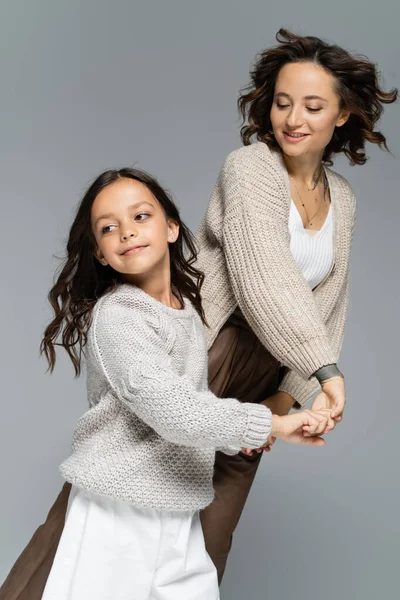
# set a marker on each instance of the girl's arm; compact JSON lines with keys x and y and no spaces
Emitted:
{"x":133,"y":354}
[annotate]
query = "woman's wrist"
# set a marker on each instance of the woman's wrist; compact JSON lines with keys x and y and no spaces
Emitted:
{"x":327,"y":372}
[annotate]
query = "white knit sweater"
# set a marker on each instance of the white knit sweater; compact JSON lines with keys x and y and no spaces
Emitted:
{"x":150,"y":435}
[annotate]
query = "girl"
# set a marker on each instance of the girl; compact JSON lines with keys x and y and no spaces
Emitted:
{"x":143,"y":454}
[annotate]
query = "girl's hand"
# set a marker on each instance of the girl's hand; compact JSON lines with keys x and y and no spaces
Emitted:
{"x":303,"y":427}
{"x":267,"y":448}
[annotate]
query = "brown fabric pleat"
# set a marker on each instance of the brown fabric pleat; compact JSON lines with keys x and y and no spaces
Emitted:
{"x":239,"y":367}
{"x":28,"y":577}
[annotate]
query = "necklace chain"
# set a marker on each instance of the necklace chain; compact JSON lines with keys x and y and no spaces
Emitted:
{"x":316,"y":181}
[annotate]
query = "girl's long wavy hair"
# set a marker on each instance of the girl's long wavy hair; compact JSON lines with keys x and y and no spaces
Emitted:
{"x":82,"y":280}
{"x":357,"y":81}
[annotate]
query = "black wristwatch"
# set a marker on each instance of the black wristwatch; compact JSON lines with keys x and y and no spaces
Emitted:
{"x":327,"y":372}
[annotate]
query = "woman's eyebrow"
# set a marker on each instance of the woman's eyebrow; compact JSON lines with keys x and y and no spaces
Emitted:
{"x":310,"y":97}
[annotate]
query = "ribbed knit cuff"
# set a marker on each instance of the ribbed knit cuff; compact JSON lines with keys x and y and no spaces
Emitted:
{"x":312,"y":355}
{"x":259,"y":425}
{"x":301,"y":390}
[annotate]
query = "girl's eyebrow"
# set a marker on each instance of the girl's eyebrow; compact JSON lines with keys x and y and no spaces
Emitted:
{"x":134,"y":206}
{"x":311,"y":97}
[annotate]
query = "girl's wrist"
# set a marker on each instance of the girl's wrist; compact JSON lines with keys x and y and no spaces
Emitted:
{"x":276,"y":428}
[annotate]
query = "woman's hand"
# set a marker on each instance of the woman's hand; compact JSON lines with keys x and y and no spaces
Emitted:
{"x":332,"y":397}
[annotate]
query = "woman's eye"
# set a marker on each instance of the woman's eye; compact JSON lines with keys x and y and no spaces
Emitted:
{"x":107,"y":228}
{"x":282,"y":105}
{"x":313,"y":109}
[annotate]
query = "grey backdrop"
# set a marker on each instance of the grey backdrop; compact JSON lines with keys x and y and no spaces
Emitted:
{"x":90,"y":84}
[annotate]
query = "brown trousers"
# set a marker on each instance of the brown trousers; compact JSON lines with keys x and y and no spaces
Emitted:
{"x":239,"y":367}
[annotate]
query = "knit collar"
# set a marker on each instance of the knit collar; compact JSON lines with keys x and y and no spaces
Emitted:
{"x":185,"y":313}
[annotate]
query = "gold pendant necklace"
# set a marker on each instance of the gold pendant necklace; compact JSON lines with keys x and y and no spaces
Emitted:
{"x":309,"y":220}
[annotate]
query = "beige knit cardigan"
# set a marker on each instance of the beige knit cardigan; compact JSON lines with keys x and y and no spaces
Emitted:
{"x":245,"y":254}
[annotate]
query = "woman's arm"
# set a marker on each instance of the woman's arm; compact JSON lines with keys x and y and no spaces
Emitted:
{"x":268,"y":285}
{"x":298,"y":387}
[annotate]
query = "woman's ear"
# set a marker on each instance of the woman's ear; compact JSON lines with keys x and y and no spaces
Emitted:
{"x":173,"y":230}
{"x":100,"y":257}
{"x":343,"y":118}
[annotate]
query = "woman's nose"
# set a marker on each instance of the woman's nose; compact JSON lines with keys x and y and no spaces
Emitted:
{"x":294,"y":119}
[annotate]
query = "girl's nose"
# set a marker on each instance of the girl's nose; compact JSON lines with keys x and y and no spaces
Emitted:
{"x":127,"y":235}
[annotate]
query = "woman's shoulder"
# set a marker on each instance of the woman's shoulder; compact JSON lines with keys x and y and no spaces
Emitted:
{"x":342,"y":188}
{"x":254,"y":157}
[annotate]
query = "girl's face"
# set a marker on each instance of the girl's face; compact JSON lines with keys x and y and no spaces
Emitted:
{"x":306,"y":109}
{"x":131,"y":230}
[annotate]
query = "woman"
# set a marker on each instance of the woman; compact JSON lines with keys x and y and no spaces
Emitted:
{"x":274,"y":247}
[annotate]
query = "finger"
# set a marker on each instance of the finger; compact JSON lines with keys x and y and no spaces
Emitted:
{"x":317,"y":423}
{"x":337,"y":410}
{"x":314,"y":441}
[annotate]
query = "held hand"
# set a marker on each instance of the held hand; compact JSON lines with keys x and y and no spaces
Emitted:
{"x":332,"y":397}
{"x":303,"y":427}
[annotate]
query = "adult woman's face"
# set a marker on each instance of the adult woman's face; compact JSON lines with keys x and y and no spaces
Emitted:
{"x":305,"y":109}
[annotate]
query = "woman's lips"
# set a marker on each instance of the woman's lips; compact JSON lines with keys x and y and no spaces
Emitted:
{"x":295,"y":137}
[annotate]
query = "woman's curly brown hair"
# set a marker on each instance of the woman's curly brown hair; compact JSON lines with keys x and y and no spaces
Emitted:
{"x":357,"y":86}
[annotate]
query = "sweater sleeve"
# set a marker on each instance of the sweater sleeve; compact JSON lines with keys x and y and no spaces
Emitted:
{"x":301,"y":389}
{"x":133,"y":354}
{"x":268,"y":285}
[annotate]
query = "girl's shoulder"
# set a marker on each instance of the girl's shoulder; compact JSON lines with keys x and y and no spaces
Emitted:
{"x":128,"y":306}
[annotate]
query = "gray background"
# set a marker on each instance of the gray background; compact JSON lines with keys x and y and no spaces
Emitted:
{"x":92,"y":84}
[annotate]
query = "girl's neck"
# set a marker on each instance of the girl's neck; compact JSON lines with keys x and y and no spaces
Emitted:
{"x":158,"y":288}
{"x":305,"y":169}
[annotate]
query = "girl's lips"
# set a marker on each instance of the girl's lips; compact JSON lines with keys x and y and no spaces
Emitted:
{"x":292,"y":138}
{"x":134,"y":250}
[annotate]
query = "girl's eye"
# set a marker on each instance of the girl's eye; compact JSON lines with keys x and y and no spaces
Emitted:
{"x":142,"y":216}
{"x":282,"y":105}
{"x":313,"y":109}
{"x":107,"y":229}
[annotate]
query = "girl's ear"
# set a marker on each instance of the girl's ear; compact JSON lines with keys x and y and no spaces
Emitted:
{"x":173,"y":230}
{"x":100,"y":257}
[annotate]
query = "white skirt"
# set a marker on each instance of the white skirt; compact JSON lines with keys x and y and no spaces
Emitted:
{"x":110,"y":550}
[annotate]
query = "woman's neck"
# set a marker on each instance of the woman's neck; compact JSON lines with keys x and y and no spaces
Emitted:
{"x":306,"y":169}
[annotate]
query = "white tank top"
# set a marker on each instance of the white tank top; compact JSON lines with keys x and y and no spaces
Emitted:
{"x":312,"y":250}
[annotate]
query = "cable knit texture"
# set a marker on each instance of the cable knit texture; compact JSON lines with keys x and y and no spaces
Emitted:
{"x":245,"y":254}
{"x":150,"y":435}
